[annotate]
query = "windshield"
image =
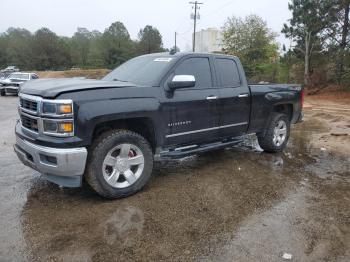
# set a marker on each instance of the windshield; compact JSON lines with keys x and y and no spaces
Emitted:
{"x":20,"y":76}
{"x":142,"y":70}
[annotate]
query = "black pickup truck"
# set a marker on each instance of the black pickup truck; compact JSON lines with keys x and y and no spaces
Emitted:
{"x":156,"y":106}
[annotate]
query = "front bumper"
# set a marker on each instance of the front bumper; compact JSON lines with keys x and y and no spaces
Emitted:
{"x":61,"y":166}
{"x":11,"y":89}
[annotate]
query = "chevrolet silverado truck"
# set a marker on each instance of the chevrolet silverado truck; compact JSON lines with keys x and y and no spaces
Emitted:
{"x":12,"y":83}
{"x":159,"y":106}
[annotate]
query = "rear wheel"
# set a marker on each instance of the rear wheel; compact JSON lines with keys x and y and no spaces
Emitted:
{"x":120,"y":163}
{"x":2,"y":92}
{"x":277,"y":134}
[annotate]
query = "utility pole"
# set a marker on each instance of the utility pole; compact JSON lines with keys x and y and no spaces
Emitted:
{"x":196,"y":6}
{"x":175,"y":43}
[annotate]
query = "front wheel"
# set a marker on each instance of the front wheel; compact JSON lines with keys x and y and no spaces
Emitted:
{"x":277,"y":134}
{"x":2,"y":92}
{"x":120,"y":163}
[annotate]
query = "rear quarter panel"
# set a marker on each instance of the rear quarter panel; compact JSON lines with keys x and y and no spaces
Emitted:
{"x":266,"y":97}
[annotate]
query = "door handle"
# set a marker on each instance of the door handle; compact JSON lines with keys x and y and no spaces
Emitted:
{"x":243,"y":95}
{"x":212,"y":97}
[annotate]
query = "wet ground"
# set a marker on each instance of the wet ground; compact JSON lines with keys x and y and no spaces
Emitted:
{"x":238,"y":204}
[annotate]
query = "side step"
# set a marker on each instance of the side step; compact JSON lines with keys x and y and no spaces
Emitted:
{"x":182,"y":152}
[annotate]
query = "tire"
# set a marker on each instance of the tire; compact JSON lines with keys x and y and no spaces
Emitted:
{"x":269,"y":142}
{"x":2,"y":92}
{"x":113,"y":180}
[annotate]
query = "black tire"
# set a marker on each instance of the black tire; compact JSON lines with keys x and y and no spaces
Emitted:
{"x":99,"y":150}
{"x":266,"y":141}
{"x":2,"y":92}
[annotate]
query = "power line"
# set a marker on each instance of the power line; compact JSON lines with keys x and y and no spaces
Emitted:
{"x":182,"y":34}
{"x":183,"y":20}
{"x":186,"y":31}
{"x":197,"y":23}
{"x":184,"y":38}
{"x":196,"y":6}
{"x":219,"y":9}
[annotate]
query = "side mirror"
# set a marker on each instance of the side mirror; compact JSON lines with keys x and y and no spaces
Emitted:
{"x":182,"y":81}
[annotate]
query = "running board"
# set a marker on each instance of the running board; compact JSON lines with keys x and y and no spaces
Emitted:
{"x":182,"y":152}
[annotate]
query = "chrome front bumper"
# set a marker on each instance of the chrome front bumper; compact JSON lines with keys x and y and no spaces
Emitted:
{"x":11,"y":88}
{"x":57,"y":164}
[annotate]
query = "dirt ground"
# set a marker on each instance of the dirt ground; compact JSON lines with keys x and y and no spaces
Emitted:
{"x":88,"y":73}
{"x":334,"y":114}
{"x":238,"y":204}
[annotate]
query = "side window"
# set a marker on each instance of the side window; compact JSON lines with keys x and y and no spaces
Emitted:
{"x":228,"y":72}
{"x":198,"y":67}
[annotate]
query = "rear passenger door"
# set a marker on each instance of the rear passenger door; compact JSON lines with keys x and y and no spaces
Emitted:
{"x":191,"y":114}
{"x":234,"y":102}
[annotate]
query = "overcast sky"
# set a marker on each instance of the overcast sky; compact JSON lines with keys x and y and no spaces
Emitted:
{"x":64,"y":16}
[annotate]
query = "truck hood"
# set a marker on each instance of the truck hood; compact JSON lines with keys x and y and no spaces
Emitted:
{"x":52,"y":87}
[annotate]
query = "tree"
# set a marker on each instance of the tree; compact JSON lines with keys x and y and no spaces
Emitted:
{"x":344,"y":15}
{"x":81,"y":43}
{"x":339,"y":35}
{"x":116,"y":44}
{"x":50,"y":51}
{"x":44,"y":50}
{"x":251,"y":40}
{"x":308,"y":27}
{"x":3,"y":45}
{"x":150,"y":40}
{"x":95,"y":56}
{"x":17,"y":47}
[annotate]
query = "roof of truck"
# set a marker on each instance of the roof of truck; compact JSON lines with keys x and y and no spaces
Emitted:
{"x":181,"y":54}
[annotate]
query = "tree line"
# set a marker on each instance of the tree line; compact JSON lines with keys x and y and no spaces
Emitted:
{"x":318,"y":54}
{"x":44,"y":50}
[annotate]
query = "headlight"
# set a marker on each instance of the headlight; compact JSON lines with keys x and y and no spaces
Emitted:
{"x":58,"y":127}
{"x":57,"y":108}
{"x":57,"y":117}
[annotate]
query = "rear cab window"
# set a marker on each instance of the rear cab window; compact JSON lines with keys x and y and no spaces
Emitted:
{"x":228,"y":73}
{"x":199,"y":67}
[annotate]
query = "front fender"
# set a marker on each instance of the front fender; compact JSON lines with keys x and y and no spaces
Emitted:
{"x":93,"y":113}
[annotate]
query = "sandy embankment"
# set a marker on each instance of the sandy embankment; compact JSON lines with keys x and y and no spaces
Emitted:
{"x":89,"y":73}
{"x":334,"y":114}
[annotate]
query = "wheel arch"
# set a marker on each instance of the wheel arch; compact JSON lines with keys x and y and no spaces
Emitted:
{"x":285,"y":108}
{"x":143,"y":126}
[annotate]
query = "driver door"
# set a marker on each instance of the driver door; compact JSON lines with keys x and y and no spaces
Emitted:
{"x":191,"y":115}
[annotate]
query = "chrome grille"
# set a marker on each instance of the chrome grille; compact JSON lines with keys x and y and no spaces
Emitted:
{"x":28,"y":104}
{"x":32,"y":117}
{"x":29,"y":123}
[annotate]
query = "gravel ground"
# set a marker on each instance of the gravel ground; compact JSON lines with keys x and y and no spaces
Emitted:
{"x":238,"y":204}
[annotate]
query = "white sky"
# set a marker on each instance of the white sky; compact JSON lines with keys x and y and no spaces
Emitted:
{"x":64,"y":16}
